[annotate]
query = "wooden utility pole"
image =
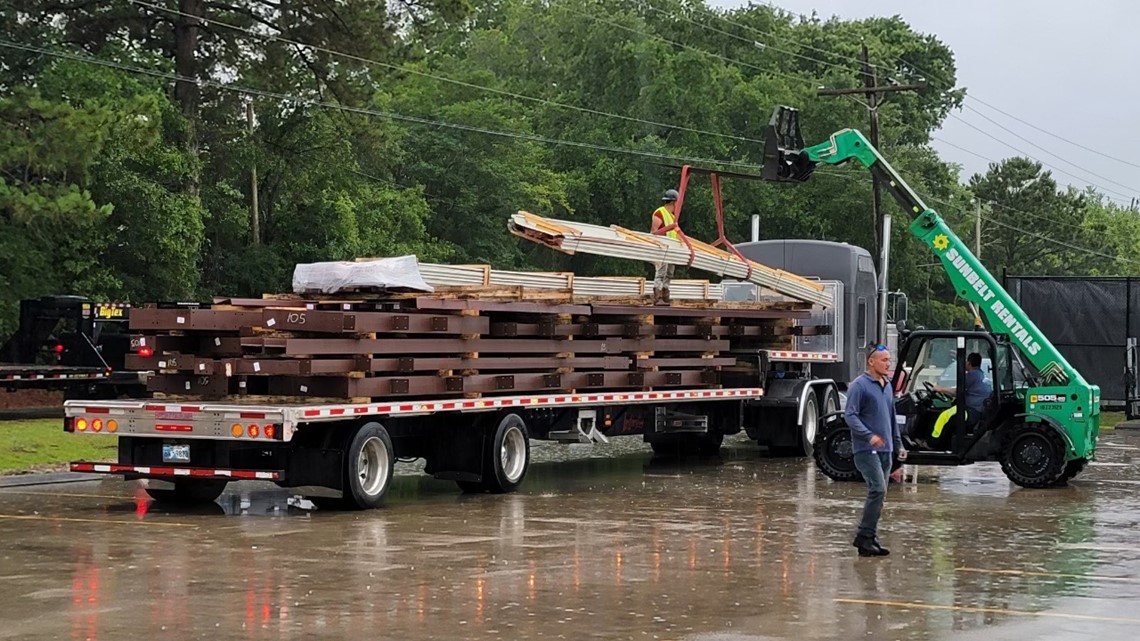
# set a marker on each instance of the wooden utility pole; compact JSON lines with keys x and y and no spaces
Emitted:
{"x":978,"y":230}
{"x":874,"y":93}
{"x":254,"y":217}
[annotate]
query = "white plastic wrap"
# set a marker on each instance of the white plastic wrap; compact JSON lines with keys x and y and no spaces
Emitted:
{"x":396,"y":273}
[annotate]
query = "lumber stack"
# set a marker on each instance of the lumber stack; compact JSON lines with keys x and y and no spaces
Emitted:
{"x":460,"y":341}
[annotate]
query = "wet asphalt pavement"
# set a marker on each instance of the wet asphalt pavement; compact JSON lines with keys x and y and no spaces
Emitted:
{"x":601,"y":543}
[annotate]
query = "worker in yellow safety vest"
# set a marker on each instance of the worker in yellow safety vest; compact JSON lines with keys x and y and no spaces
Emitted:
{"x":663,"y":218}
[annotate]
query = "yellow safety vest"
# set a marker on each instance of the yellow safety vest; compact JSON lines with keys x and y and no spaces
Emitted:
{"x":667,"y":219}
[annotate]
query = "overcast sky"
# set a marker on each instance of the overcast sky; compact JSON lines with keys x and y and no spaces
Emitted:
{"x":1071,"y":68}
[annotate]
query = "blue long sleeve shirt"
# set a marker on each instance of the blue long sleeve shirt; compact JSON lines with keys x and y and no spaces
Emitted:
{"x":871,"y":410}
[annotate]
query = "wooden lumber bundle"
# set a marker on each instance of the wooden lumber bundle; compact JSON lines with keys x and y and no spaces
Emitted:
{"x":463,"y":342}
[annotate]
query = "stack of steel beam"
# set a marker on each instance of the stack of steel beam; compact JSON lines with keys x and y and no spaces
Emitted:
{"x":452,"y":344}
{"x":617,"y":242}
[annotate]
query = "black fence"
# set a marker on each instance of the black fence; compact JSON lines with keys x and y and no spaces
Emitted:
{"x":1090,"y":320}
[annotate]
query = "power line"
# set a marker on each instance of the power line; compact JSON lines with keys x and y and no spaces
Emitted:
{"x":752,"y":42}
{"x":955,"y":116}
{"x":461,"y":83}
{"x":1049,"y":133}
{"x":371,"y":112}
{"x":809,"y":47}
{"x":1028,"y":155}
{"x":961,"y":148}
{"x":1062,"y":159}
{"x":1062,"y":243}
{"x":652,"y":36}
{"x":960,"y":210}
{"x":941,"y":80}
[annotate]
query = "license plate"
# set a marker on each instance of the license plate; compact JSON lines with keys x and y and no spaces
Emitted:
{"x":175,"y":453}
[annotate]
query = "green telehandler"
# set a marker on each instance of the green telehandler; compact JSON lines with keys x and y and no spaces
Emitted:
{"x":1040,"y":419}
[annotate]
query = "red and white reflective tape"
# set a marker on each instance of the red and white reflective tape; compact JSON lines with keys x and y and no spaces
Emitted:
{"x":180,"y":409}
{"x":52,"y":377}
{"x":821,"y":356}
{"x":160,"y":471}
{"x":550,"y":400}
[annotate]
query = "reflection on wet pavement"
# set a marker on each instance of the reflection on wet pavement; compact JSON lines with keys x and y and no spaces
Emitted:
{"x":605,"y":543}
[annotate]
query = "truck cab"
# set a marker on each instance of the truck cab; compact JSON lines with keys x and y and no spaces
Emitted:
{"x":807,"y":382}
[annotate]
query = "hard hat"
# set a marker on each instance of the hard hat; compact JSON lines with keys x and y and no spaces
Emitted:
{"x":670,"y":195}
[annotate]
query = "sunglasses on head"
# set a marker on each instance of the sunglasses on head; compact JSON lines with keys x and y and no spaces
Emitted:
{"x":880,"y":348}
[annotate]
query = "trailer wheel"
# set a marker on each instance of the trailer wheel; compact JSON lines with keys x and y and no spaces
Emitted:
{"x":368,"y":467}
{"x":833,"y":452}
{"x":508,"y":456}
{"x":189,"y":492}
{"x":505,"y":457}
{"x":1034,"y":456}
{"x":805,"y":433}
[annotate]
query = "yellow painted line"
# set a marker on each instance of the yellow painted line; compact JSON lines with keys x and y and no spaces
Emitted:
{"x":30,"y":517}
{"x":964,"y":608}
{"x":1095,"y":577}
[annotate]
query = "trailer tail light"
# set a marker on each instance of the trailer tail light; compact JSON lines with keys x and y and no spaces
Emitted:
{"x":146,"y":352}
{"x":270,"y":431}
{"x":237,"y":430}
{"x":254,"y":431}
{"x":112,"y":426}
{"x":97,"y":425}
{"x":81,"y":425}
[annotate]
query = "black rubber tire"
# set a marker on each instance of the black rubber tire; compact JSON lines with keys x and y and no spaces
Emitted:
{"x":807,"y":433}
{"x":832,"y":452}
{"x":1072,"y":469}
{"x":507,"y":459}
{"x":1034,"y":456}
{"x":369,"y":465}
{"x":189,"y":492}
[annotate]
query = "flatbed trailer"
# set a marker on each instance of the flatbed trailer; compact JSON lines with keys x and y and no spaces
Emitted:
{"x":18,"y":376}
{"x":343,"y":455}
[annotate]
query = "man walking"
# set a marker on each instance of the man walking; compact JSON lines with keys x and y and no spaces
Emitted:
{"x":663,"y":218}
{"x":870,"y":415}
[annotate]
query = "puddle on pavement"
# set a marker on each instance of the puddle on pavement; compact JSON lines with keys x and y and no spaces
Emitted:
{"x":602,"y":542}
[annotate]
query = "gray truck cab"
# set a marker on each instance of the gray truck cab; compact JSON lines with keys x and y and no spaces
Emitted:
{"x":826,"y":260}
{"x":808,"y":382}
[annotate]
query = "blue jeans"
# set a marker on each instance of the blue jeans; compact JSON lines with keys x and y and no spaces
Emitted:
{"x":875,"y":468}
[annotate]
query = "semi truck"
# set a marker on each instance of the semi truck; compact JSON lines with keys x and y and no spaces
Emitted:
{"x":1041,"y":422}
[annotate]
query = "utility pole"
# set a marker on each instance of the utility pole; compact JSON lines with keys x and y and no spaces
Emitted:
{"x":978,"y":230}
{"x":254,"y":218}
{"x":874,"y":94}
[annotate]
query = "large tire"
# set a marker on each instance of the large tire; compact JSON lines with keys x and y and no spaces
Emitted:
{"x":1034,"y":456}
{"x":189,"y":492}
{"x":369,"y":464}
{"x":506,"y":457}
{"x":1072,"y":469}
{"x":806,"y":432}
{"x":833,"y":454}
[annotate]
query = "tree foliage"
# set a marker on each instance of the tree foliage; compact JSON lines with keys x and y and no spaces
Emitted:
{"x":419,"y":127}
